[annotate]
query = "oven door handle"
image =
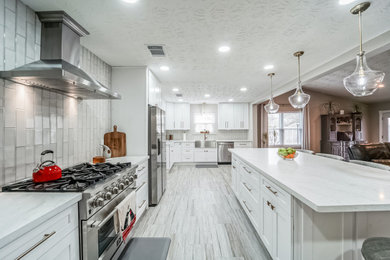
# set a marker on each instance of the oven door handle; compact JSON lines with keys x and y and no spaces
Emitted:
{"x":99,"y":224}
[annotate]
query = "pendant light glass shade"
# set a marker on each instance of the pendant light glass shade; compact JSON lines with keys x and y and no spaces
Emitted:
{"x":363,"y":81}
{"x":271,"y":107}
{"x":299,"y":99}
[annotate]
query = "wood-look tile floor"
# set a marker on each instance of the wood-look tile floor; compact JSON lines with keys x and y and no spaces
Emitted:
{"x":201,"y":215}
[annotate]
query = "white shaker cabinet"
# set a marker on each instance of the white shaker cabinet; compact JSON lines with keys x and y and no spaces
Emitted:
{"x":178,"y":116}
{"x":233,"y":116}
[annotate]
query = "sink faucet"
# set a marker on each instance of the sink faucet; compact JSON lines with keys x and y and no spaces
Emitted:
{"x":205,"y":132}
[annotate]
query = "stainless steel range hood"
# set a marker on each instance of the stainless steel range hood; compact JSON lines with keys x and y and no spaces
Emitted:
{"x":59,"y":67}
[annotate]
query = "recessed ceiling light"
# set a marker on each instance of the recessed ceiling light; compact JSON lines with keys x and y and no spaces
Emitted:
{"x":180,"y":100}
{"x":268,"y":67}
{"x":231,"y":100}
{"x":207,"y":95}
{"x":130,"y":1}
{"x":243,"y":89}
{"x":164,"y":68}
{"x":224,"y":48}
{"x":345,"y":2}
{"x":381,"y":85}
{"x":175,"y":90}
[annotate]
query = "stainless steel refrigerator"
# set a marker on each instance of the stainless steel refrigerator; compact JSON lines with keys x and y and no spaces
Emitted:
{"x":156,"y":142}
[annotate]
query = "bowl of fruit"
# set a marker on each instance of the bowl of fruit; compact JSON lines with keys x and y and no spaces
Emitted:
{"x":287,"y":153}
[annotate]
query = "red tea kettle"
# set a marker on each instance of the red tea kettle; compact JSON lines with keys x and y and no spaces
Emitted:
{"x":47,"y":170}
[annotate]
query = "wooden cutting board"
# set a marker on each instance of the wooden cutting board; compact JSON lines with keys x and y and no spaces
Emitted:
{"x":117,"y":142}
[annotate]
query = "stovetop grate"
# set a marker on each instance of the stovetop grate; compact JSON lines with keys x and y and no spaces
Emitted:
{"x":74,"y":179}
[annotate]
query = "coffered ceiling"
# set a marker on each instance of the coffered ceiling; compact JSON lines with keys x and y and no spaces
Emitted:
{"x":259,"y":32}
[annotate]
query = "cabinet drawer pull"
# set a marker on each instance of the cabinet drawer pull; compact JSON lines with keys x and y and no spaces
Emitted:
{"x":272,"y":207}
{"x":45,"y":237}
{"x":246,"y":206}
{"x":234,"y":167}
{"x":141,"y":169}
{"x":246,"y":186}
{"x":248,"y":171}
{"x":143,"y":202}
{"x":269,"y":188}
{"x":268,"y":203}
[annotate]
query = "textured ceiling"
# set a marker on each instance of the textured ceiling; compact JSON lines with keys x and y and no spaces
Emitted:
{"x":332,"y":83}
{"x":259,"y":32}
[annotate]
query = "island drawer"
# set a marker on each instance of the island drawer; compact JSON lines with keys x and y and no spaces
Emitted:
{"x":250,"y":205}
{"x":251,"y":186}
{"x":250,"y":172}
{"x":282,"y":198}
{"x":188,"y":145}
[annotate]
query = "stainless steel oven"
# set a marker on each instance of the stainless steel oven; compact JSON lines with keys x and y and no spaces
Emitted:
{"x":100,"y":239}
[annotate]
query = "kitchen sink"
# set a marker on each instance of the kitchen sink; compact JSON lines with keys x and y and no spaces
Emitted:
{"x":205,"y":144}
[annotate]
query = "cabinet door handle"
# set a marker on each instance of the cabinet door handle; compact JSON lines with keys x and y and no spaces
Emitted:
{"x":45,"y":237}
{"x":234,"y":167}
{"x":248,"y":171}
{"x":268,"y":203}
{"x":272,"y":207}
{"x":269,"y":188}
{"x":246,"y":186}
{"x":141,"y":169}
{"x":246,"y":206}
{"x":143,"y":202}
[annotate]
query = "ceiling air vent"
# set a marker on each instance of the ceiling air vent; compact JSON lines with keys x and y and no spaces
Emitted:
{"x":156,"y":50}
{"x":179,"y":95}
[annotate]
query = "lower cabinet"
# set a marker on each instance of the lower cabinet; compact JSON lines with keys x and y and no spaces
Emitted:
{"x":142,"y":191}
{"x":268,"y":207}
{"x":57,"y":238}
{"x":205,"y":155}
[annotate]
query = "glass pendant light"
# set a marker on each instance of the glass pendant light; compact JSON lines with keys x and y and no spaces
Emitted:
{"x":300,"y":98}
{"x":363,"y":81}
{"x":271,"y":107}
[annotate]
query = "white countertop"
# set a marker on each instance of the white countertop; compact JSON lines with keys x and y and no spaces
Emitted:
{"x":23,"y":211}
{"x":233,"y":140}
{"x":325,"y":185}
{"x":133,"y":159}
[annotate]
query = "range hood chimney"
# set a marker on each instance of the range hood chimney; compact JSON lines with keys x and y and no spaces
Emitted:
{"x":59,"y":67}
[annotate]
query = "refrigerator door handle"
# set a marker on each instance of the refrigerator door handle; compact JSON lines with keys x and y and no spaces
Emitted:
{"x":158,"y":146}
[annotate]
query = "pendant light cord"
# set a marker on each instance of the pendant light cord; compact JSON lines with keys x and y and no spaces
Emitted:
{"x":299,"y":69}
{"x":360,"y":33}
{"x":271,"y":88}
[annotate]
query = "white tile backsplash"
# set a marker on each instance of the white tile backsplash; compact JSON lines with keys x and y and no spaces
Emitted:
{"x":32,"y":119}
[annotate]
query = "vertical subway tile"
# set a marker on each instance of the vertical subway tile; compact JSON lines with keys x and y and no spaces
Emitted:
{"x":20,"y":128}
{"x":20,"y":163}
{"x":10,"y":29}
{"x":9,"y":59}
{"x":20,"y":50}
{"x":30,"y":41}
{"x":38,"y":149}
{"x":11,"y":4}
{"x":46,"y":136}
{"x":9,"y":174}
{"x":29,"y":108}
{"x":37,"y":31}
{"x":9,"y":107}
{"x":1,"y":42}
{"x":30,"y":137}
{"x":21,"y":18}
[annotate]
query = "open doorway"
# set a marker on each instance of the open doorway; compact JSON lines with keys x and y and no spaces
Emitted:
{"x":384,"y":126}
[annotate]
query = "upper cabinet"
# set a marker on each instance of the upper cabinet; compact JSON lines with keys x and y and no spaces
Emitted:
{"x":177,"y":116}
{"x":233,"y":116}
{"x":154,"y":90}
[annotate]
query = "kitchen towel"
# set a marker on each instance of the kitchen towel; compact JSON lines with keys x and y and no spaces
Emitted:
{"x":125,"y":215}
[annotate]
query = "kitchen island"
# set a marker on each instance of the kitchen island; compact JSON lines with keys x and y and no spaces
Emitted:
{"x":312,"y":207}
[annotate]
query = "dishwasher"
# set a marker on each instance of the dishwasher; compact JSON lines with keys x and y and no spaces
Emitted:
{"x":224,"y":156}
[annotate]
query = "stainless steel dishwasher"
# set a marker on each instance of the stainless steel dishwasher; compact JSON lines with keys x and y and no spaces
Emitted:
{"x":224,"y":156}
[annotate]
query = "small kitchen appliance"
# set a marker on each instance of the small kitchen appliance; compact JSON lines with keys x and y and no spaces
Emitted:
{"x":47,"y":170}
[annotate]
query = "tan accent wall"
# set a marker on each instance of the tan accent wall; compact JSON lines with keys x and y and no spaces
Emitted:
{"x":373,"y":115}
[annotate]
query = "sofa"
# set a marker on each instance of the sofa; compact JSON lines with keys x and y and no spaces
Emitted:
{"x":378,"y":152}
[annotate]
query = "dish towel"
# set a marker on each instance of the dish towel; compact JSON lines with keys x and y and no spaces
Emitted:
{"x":125,"y":215}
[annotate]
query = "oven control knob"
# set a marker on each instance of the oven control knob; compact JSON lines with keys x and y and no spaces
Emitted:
{"x":121,"y":186}
{"x":108,"y":195}
{"x":115,"y":190}
{"x":127,"y":181}
{"x":99,"y":202}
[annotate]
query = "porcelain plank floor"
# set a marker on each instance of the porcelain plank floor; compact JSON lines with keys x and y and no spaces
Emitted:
{"x":201,"y":215}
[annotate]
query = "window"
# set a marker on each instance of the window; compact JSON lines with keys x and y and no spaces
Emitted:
{"x":204,"y":121}
{"x":285,"y":129}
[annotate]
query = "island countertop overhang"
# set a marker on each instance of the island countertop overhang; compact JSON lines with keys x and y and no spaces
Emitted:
{"x":323,"y":184}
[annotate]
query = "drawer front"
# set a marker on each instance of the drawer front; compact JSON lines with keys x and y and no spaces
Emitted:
{"x":242,"y":144}
{"x":188,"y":145}
{"x":251,"y":186}
{"x":141,"y":179}
{"x":43,"y":237}
{"x":249,"y":172}
{"x":141,"y":198}
{"x":177,"y":144}
{"x":142,"y":168}
{"x":187,"y":157}
{"x":281,"y":198}
{"x":251,"y":207}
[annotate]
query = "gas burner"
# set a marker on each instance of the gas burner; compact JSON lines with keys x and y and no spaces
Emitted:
{"x":74,"y":179}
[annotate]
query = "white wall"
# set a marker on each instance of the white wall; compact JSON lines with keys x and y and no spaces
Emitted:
{"x":130,"y":113}
{"x":32,"y":119}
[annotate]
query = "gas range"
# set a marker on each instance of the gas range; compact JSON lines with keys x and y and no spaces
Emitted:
{"x":99,"y":184}
{"x":103,"y":186}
